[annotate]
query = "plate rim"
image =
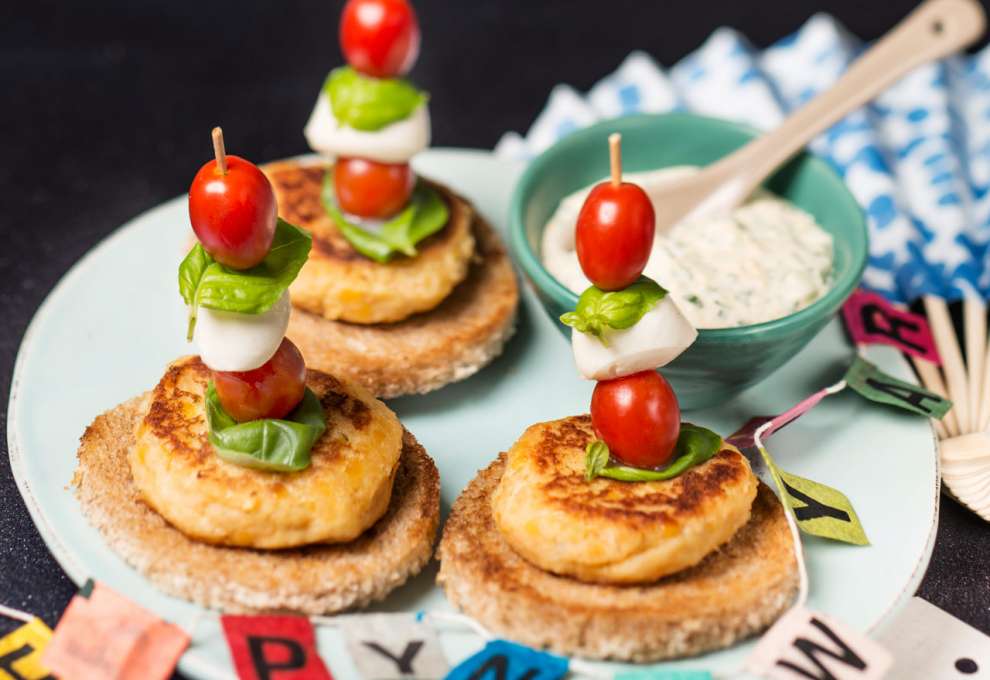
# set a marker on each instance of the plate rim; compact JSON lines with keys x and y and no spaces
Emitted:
{"x":194,"y":663}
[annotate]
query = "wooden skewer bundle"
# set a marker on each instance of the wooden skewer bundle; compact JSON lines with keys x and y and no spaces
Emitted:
{"x":964,"y":440}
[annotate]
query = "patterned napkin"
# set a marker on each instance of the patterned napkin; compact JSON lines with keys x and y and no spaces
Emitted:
{"x":917,"y":159}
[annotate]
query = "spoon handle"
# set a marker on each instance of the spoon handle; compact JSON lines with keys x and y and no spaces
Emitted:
{"x":935,"y":29}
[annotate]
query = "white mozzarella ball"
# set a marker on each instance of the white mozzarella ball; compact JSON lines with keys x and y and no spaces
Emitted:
{"x":657,"y":339}
{"x":229,"y":341}
{"x":395,"y":143}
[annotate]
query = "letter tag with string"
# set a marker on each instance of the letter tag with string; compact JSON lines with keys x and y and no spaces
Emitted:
{"x":872,"y":383}
{"x":503,"y":660}
{"x":102,"y":634}
{"x":21,"y":650}
{"x":871,"y":319}
{"x":808,"y":645}
{"x":273,"y":648}
{"x":390,"y":646}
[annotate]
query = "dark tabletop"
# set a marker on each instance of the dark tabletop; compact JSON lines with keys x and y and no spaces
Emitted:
{"x":107,"y":106}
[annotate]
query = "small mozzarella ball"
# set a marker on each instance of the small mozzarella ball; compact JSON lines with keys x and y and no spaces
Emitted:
{"x":395,"y":143}
{"x":657,"y":339}
{"x":229,"y":341}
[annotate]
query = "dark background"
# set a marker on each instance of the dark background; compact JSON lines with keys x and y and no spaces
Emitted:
{"x":107,"y":108}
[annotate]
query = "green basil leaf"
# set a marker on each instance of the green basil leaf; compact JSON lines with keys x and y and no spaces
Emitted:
{"x":204,"y":282}
{"x":596,"y":457}
{"x":598,"y":310}
{"x":425,"y":215}
{"x":269,"y":444}
{"x":695,"y":445}
{"x":369,"y":104}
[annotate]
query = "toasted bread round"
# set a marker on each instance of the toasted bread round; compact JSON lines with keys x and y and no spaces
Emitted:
{"x":344,"y":490}
{"x":339,"y":283}
{"x":735,"y":592}
{"x":429,"y":350}
{"x":606,"y":531}
{"x":318,"y":579}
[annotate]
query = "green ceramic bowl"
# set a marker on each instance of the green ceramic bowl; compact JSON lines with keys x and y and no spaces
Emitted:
{"x":722,"y":362}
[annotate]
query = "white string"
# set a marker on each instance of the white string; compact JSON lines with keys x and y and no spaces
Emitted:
{"x":17,"y":614}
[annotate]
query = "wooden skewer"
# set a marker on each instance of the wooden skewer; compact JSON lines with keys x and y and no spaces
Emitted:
{"x":975,"y":328}
{"x":615,"y":157}
{"x":932,"y":380}
{"x":952,"y":363}
{"x":984,"y":420}
{"x":218,"y":149}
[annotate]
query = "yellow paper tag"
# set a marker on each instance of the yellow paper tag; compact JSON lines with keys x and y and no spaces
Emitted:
{"x":21,"y":650}
{"x":818,"y":509}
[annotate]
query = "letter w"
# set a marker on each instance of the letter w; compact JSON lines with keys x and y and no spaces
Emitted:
{"x":811,"y":651}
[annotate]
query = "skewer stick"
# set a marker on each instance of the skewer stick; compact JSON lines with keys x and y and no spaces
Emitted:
{"x":932,"y":380}
{"x":218,"y":149}
{"x":984,"y":420}
{"x":615,"y":157}
{"x":975,"y":328}
{"x":952,"y":363}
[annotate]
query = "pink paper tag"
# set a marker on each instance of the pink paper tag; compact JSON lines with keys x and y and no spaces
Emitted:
{"x":871,"y":319}
{"x":807,"y":644}
{"x":103,"y":635}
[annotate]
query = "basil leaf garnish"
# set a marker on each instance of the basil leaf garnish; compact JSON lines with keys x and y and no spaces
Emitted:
{"x":695,"y":445}
{"x":204,"y":282}
{"x":598,"y":310}
{"x":369,"y":104}
{"x":425,"y":215}
{"x":269,"y":444}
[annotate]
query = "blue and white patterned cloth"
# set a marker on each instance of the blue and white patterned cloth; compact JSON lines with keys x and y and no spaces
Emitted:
{"x":917,"y":158}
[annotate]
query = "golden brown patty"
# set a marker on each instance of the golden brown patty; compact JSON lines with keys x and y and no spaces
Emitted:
{"x":314,"y":580}
{"x":429,"y":350}
{"x":338,"y":283}
{"x":606,"y":531}
{"x":735,"y":592}
{"x":344,"y":491}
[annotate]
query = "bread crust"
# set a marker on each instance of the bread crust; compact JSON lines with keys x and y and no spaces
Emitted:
{"x":735,"y":592}
{"x":426,"y":351}
{"x":313,"y":580}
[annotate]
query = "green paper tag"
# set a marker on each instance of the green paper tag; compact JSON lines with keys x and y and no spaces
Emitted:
{"x":818,"y":509}
{"x":872,"y":383}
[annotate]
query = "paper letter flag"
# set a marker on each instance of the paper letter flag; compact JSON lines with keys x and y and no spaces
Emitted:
{"x":805,"y":644}
{"x":21,"y":650}
{"x":503,"y":660}
{"x":270,"y":647}
{"x":103,"y":635}
{"x":390,"y":646}
{"x":870,"y":318}
{"x":872,"y":383}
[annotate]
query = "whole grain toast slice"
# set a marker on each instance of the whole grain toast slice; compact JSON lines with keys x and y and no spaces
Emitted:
{"x":735,"y":592}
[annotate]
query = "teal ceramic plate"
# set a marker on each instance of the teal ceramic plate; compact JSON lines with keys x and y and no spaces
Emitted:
{"x":111,"y":325}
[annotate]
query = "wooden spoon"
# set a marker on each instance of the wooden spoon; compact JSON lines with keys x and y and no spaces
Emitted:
{"x":935,"y":29}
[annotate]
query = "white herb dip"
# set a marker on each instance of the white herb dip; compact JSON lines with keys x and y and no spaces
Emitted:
{"x":766,"y":260}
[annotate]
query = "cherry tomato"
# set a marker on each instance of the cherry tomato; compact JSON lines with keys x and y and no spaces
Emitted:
{"x":638,"y":417}
{"x":369,"y":189}
{"x":614,"y":234}
{"x":380,"y":38}
{"x":233,"y":213}
{"x":270,"y":391}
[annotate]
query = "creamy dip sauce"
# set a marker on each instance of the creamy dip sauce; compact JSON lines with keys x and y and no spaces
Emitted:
{"x":765,"y":260}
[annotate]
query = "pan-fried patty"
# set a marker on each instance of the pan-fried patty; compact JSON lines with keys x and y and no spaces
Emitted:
{"x":344,"y":491}
{"x":606,"y":531}
{"x":338,"y":283}
{"x":733,"y":593}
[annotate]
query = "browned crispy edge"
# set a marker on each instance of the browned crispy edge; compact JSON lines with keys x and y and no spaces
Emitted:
{"x":313,"y":580}
{"x":736,"y":592}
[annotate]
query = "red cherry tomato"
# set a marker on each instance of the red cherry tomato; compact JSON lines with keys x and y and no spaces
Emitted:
{"x":380,"y":38}
{"x":614,"y":235}
{"x":270,"y":391}
{"x":638,"y":417}
{"x":233,"y":214}
{"x":369,"y":189}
